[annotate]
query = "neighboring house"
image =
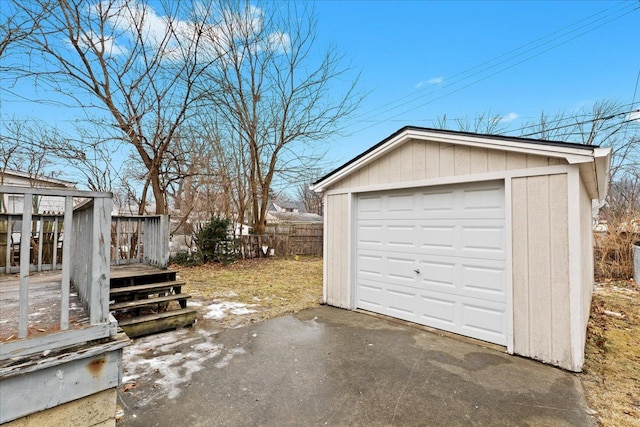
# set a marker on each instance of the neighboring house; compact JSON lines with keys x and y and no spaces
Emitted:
{"x":290,"y":212}
{"x":480,"y":235}
{"x":14,"y":203}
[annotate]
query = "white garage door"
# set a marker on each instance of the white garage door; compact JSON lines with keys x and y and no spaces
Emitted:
{"x":435,"y":256}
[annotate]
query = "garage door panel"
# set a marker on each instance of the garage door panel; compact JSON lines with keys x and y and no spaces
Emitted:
{"x":484,"y":199}
{"x":400,"y":236}
{"x":370,"y":296}
{"x":466,"y":238}
{"x":438,"y":237}
{"x":437,"y":203}
{"x":484,"y":322}
{"x":435,"y":256}
{"x":438,"y":311}
{"x":400,"y":203}
{"x":368,"y":205}
{"x":484,"y":281}
{"x":438,"y":274}
{"x":454,"y":276}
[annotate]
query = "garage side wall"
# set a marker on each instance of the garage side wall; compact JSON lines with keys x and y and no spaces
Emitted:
{"x":336,"y":269}
{"x":586,"y":234}
{"x":541,"y":324}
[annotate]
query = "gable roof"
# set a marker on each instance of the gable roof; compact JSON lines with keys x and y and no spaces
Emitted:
{"x":36,"y":180}
{"x":573,"y":153}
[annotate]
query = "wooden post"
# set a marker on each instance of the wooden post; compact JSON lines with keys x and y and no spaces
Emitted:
{"x":54,"y":254}
{"x":25,"y":249}
{"x":7,"y":267}
{"x":98,"y":295}
{"x":67,"y":228}
{"x":163,"y":244}
{"x":40,"y":221}
{"x":117,"y":240}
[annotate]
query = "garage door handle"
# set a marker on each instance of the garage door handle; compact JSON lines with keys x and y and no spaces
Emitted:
{"x":417,"y":271}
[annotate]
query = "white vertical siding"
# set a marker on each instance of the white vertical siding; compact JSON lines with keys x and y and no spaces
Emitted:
{"x":417,"y":160}
{"x":586,"y":233}
{"x":540,"y":268}
{"x":336,"y":263}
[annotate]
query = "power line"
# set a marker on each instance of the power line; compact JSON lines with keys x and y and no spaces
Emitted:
{"x":562,"y":119}
{"x":609,"y":117}
{"x":462,"y":73}
{"x":453,"y":81}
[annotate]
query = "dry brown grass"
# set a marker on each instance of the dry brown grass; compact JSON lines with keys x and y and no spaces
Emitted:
{"x":613,"y":248}
{"x":274,"y":286}
{"x":611,"y":375}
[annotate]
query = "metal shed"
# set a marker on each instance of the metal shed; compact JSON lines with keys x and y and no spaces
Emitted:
{"x":480,"y":235}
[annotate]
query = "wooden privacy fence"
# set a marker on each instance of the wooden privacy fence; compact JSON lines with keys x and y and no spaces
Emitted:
{"x":283,"y":240}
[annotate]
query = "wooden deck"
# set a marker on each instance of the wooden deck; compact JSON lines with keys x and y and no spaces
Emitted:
{"x":135,"y":290}
{"x":44,"y":305}
{"x":45,"y":298}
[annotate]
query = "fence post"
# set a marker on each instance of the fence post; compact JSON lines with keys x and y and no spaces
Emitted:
{"x":163,"y":244}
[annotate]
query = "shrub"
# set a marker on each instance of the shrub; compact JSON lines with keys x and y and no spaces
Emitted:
{"x":186,"y":259}
{"x":214,"y":241}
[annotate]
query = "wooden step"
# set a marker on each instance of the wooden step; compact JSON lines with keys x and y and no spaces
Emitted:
{"x":140,"y":276}
{"x":181,"y":298}
{"x":154,"y":323}
{"x":129,"y":273}
{"x":123,"y":290}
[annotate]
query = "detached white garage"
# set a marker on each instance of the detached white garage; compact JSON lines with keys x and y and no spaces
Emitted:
{"x":484,"y":236}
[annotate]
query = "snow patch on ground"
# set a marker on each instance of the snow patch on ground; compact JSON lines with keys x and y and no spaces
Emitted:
{"x":170,"y":360}
{"x":219,"y":311}
{"x":230,"y":355}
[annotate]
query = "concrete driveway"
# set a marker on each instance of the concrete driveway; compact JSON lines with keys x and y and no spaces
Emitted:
{"x":327,"y":366}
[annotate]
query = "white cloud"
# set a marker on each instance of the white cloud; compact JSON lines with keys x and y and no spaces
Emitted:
{"x":280,"y":42}
{"x":100,"y":42}
{"x":431,"y":81}
{"x":509,"y":117}
{"x":172,"y":37}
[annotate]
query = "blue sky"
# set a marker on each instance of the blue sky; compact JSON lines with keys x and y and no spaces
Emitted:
{"x":580,"y":52}
{"x":423,"y":59}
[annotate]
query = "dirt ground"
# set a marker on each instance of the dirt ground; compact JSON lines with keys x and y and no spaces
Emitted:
{"x":611,"y":376}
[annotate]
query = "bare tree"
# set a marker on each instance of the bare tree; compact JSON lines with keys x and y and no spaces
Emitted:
{"x":311,"y":200}
{"x":25,"y":147}
{"x":274,"y":96}
{"x":38,"y":149}
{"x":16,"y":25}
{"x":135,"y":65}
{"x":485,"y":123}
{"x":606,"y":123}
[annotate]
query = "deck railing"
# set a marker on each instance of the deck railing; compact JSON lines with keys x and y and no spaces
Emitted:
{"x":84,"y":262}
{"x":140,"y":239}
{"x":45,"y":240}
